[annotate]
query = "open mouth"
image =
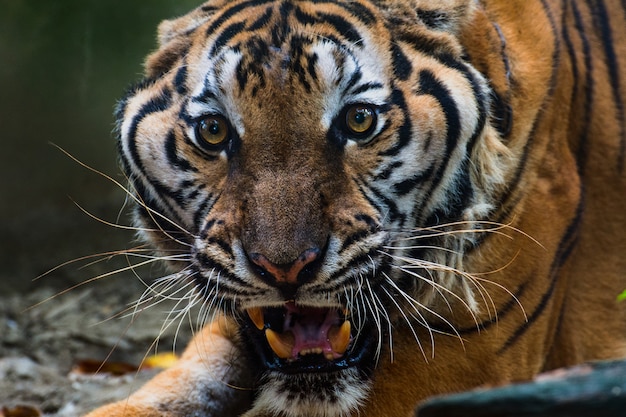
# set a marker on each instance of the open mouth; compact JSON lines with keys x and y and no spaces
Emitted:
{"x":297,"y":339}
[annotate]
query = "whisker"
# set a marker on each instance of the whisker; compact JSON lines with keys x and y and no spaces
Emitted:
{"x":103,"y":256}
{"x":439,"y":230}
{"x":429,"y":266}
{"x":408,"y":322}
{"x":128,"y":193}
{"x":417,"y":305}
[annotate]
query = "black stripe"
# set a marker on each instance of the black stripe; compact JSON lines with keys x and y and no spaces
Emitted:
{"x":212,"y":240}
{"x":402,"y":188}
{"x":556,"y":56}
{"x":360,"y":12}
{"x":208,"y":8}
{"x":356,"y":10}
{"x":430,"y":85}
{"x":394,"y":213}
{"x":228,"y":13}
{"x":202,"y":212}
{"x":156,"y":104}
{"x":355,"y":77}
{"x":601,"y":23}
{"x":171,"y":152}
{"x":180,"y":80}
{"x":371,"y":223}
{"x":434,"y":19}
{"x":502,"y":116}
{"x":431,"y":47}
{"x":482,"y":102}
{"x":166,"y":223}
{"x":311,"y":65}
{"x":226,"y":35}
{"x":583,"y":141}
{"x":405,"y":131}
{"x":364,"y":259}
{"x":304,"y":18}
{"x":296,"y":67}
{"x":354,"y":237}
{"x":120,"y":108}
{"x":343,"y":28}
{"x":366,"y":87}
{"x":204,"y":234}
{"x":206,"y":96}
{"x":458,"y":199}
{"x":402,"y":68}
{"x":371,"y":201}
{"x":386,"y":173}
{"x":262,"y":21}
{"x":225,"y":276}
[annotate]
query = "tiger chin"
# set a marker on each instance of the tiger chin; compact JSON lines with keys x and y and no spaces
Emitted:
{"x":381,"y":201}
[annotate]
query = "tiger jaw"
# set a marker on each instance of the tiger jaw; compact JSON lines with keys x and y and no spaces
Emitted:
{"x":296,"y":339}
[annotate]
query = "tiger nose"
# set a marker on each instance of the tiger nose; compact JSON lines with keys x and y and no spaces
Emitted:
{"x":287,"y":277}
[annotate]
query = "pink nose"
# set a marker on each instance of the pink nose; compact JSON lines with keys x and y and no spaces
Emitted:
{"x":286,"y":274}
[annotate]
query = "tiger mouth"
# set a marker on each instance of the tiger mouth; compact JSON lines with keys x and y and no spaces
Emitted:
{"x":300,"y":339}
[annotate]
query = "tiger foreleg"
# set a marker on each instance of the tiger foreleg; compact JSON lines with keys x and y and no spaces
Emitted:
{"x":210,"y":379}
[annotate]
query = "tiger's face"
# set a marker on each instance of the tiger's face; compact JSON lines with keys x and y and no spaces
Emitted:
{"x":305,"y":163}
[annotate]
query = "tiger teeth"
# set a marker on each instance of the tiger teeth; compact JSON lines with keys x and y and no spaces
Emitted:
{"x":339,"y":337}
{"x":256,"y":315}
{"x":281,"y":344}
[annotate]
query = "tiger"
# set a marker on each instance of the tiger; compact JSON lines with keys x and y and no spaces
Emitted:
{"x":379,"y":201}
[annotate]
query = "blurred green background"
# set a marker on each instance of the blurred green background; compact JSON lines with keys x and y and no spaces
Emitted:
{"x":63,"y":64}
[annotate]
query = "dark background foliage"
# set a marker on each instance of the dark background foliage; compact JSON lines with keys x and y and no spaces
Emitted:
{"x":63,"y":64}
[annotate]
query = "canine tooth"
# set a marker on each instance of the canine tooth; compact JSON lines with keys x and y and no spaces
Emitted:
{"x":256,"y":315}
{"x":340,"y":339}
{"x":280,"y":344}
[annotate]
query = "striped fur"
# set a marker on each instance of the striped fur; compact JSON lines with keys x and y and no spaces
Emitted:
{"x":474,"y":233}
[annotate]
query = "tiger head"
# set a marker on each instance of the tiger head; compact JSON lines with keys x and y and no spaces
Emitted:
{"x":317,"y":170}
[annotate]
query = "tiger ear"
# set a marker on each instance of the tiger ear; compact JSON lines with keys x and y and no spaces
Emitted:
{"x":486,"y":49}
{"x":173,"y":37}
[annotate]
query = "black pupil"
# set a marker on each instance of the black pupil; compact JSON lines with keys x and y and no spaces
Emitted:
{"x":214,"y":127}
{"x":360,"y":116}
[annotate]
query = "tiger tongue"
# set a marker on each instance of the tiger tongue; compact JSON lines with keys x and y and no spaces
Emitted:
{"x":309,"y":330}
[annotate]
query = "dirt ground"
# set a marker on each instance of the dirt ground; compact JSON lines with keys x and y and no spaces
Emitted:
{"x":46,"y":339}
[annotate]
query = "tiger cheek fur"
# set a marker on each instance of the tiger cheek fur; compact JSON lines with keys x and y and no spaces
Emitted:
{"x":379,"y":198}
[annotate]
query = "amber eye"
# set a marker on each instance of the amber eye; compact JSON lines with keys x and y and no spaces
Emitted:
{"x":360,"y":120}
{"x":213,"y":131}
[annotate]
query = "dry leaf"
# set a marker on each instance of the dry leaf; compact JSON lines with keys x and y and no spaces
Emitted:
{"x":160,"y":360}
{"x":93,"y":366}
{"x":21,"y":411}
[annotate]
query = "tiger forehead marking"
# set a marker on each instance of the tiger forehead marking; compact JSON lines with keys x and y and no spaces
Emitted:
{"x":272,"y":67}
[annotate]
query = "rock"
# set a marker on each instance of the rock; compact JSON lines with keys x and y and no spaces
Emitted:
{"x":595,"y":389}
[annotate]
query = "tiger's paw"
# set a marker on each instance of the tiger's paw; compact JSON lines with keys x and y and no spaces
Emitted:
{"x":209,"y":380}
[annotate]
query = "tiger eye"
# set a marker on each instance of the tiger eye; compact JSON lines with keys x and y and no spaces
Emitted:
{"x":213,"y":130}
{"x":360,"y":119}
